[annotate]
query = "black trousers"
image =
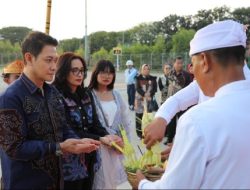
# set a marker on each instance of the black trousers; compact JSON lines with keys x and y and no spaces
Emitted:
{"x":131,"y":94}
{"x":83,"y":184}
{"x":138,"y":124}
{"x":171,"y":127}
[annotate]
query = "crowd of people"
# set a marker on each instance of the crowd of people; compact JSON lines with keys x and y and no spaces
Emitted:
{"x":56,"y":131}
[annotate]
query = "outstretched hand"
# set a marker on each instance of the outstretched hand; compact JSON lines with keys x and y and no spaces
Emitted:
{"x":112,"y":138}
{"x":78,"y":146}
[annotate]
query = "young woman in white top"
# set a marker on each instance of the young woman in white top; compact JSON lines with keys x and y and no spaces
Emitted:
{"x":112,"y":112}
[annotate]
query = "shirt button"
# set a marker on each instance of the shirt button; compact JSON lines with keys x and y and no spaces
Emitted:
{"x":83,"y":117}
{"x":80,"y":108}
{"x":85,"y":128}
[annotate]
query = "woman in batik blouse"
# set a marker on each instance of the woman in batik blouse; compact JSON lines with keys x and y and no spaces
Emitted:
{"x":82,"y":118}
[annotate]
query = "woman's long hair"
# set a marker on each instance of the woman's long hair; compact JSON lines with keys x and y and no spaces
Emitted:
{"x":102,"y":65}
{"x":63,"y":70}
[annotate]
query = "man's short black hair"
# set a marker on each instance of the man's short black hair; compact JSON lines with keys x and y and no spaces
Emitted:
{"x":225,"y":56}
{"x":178,"y":58}
{"x":35,"y":41}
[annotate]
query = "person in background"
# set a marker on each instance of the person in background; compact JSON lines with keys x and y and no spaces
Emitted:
{"x":33,"y":125}
{"x":82,"y":118}
{"x":146,"y":87}
{"x":163,"y":85}
{"x":177,"y":79}
{"x":163,"y":82}
{"x":130,"y":74}
{"x":183,"y":99}
{"x":12,"y":71}
{"x":113,"y":113}
{"x":217,"y":152}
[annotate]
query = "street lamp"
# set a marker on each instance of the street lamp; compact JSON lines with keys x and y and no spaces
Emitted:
{"x":86,"y":34}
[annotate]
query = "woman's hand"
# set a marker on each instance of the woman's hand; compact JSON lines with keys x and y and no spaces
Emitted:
{"x":118,"y":140}
{"x":78,"y":146}
{"x":112,"y":138}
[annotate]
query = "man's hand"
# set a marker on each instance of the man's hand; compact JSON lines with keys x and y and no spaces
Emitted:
{"x":165,"y":153}
{"x":154,"y":132}
{"x":139,"y":176}
{"x":78,"y":146}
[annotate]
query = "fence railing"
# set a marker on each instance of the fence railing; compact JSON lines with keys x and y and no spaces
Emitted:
{"x":155,"y":60}
{"x":9,"y":57}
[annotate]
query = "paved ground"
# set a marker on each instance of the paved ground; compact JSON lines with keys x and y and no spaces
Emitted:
{"x":119,"y":85}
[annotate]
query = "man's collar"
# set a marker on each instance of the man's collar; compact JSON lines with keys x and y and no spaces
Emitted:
{"x":29,"y":84}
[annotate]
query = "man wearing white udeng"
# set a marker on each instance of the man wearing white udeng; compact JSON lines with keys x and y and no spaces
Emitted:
{"x":211,"y":148}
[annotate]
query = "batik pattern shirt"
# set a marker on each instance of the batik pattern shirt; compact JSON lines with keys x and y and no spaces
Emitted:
{"x":31,"y":122}
{"x":82,"y":118}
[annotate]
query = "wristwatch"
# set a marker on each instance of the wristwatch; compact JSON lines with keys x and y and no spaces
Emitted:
{"x":58,"y":150}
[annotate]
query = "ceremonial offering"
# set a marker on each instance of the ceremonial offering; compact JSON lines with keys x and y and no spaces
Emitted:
{"x":149,"y":162}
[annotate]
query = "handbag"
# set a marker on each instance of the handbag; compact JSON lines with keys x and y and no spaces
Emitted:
{"x":152,"y":105}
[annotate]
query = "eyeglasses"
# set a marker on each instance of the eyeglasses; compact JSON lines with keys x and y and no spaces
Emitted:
{"x":103,"y":73}
{"x":76,"y":71}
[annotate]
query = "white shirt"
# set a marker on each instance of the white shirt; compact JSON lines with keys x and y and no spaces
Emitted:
{"x":130,"y":75}
{"x":188,"y":96}
{"x":109,"y":109}
{"x":211,"y":148}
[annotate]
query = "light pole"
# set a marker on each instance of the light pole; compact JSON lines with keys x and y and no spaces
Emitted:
{"x":47,"y":24}
{"x":86,"y":34}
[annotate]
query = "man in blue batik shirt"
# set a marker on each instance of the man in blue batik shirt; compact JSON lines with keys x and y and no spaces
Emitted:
{"x":32,"y":122}
{"x":130,"y":74}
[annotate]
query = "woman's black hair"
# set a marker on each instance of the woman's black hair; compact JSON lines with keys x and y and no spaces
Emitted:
{"x":102,"y":65}
{"x":63,"y":69}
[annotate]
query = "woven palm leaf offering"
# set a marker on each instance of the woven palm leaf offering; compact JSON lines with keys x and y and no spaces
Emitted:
{"x":149,"y":162}
{"x":151,"y":159}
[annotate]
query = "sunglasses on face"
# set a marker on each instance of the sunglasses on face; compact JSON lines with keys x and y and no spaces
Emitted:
{"x":76,"y":71}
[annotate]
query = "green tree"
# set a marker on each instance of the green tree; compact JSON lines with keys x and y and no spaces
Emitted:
{"x":14,"y":34}
{"x":70,"y":44}
{"x":159,"y":46}
{"x":221,"y":13}
{"x":9,"y":52}
{"x":80,"y":51}
{"x":170,"y":24}
{"x":202,"y":19}
{"x":181,"y":40}
{"x":242,"y":15}
{"x":144,"y":33}
{"x":205,"y":17}
{"x":107,"y":40}
{"x":101,"y":54}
